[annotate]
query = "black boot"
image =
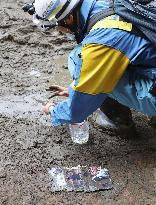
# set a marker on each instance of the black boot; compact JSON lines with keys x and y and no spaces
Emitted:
{"x":152,"y":122}
{"x":119,"y":114}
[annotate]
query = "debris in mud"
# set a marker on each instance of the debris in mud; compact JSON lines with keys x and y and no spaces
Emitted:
{"x":6,"y":37}
{"x":80,"y":178}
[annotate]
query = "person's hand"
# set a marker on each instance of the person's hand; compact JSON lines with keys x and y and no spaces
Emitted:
{"x":58,"y":91}
{"x":46,"y":107}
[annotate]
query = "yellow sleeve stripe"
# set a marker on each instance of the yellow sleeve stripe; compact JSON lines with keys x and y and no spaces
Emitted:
{"x":113,"y":24}
{"x":102,"y":68}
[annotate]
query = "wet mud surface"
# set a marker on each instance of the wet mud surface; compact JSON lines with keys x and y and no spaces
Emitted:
{"x":30,"y":61}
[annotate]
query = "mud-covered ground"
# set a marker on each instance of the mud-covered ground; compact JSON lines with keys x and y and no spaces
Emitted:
{"x":30,"y":61}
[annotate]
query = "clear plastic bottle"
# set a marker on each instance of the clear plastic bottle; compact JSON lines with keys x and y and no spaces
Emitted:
{"x":79,"y":132}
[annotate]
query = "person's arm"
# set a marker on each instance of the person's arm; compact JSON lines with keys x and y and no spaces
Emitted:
{"x":76,"y":108}
{"x":65,"y":115}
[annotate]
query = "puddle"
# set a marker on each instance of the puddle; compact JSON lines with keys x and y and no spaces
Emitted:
{"x":26,"y":106}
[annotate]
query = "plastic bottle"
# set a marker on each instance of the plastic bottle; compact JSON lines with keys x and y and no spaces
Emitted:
{"x":79,"y":132}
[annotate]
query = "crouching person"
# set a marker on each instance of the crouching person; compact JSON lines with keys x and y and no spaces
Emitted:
{"x":133,"y":90}
{"x":113,"y":61}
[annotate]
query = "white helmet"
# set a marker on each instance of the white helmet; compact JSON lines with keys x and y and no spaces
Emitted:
{"x":54,"y":10}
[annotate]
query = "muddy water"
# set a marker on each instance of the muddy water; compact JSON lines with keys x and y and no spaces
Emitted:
{"x":29,"y":105}
{"x":30,"y":61}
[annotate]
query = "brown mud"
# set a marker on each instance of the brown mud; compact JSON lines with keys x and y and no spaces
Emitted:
{"x":30,"y":61}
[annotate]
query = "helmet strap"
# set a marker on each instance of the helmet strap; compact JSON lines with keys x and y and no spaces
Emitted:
{"x":76,"y":24}
{"x":75,"y":27}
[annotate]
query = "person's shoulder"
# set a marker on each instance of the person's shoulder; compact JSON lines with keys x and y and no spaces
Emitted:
{"x":104,"y":36}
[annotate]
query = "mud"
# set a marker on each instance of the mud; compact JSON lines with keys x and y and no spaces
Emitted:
{"x":30,"y":61}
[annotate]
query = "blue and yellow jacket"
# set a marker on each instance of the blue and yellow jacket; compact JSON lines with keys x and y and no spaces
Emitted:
{"x":105,"y":54}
